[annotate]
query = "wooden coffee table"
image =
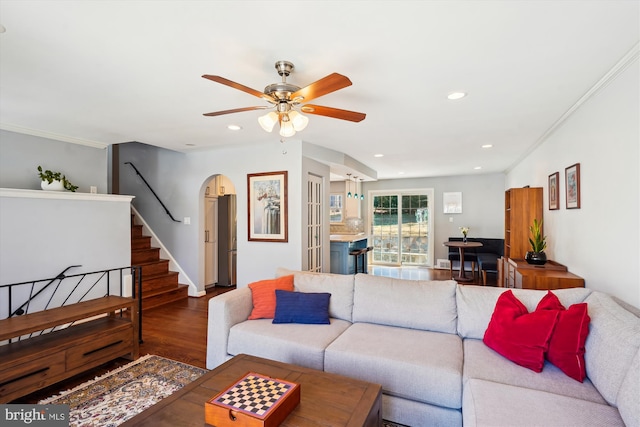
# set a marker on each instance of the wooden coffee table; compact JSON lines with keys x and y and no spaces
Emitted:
{"x":326,"y":399}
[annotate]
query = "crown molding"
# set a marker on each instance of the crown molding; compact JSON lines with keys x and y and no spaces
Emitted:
{"x":51,"y":135}
{"x":610,"y":76}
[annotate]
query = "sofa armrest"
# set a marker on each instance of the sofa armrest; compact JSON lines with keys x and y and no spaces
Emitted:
{"x":225,"y":311}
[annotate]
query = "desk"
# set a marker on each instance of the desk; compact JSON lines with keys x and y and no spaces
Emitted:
{"x":461,"y":247}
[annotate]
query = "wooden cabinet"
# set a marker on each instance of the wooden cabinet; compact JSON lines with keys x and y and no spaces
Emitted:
{"x":517,"y":273}
{"x":521,"y":207}
{"x":34,"y":363}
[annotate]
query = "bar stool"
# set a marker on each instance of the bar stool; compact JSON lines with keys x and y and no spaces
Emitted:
{"x":356,"y":253}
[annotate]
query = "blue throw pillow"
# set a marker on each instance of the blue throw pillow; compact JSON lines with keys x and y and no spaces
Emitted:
{"x":300,"y":307}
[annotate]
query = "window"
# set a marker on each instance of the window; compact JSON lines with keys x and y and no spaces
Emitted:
{"x":336,"y":208}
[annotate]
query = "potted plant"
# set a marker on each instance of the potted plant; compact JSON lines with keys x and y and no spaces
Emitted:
{"x":536,"y":255}
{"x":54,"y":181}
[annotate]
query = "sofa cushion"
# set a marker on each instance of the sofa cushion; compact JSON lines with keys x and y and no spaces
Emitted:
{"x":476,"y":304}
{"x":483,"y":363}
{"x":566,"y":348}
{"x":614,"y":339}
{"x":263,"y":295}
{"x":301,"y":307}
{"x":486,"y":403}
{"x":518,"y":335}
{"x":340,"y":286}
{"x":629,"y":394}
{"x":408,"y":363}
{"x":299,"y":344}
{"x":416,"y":304}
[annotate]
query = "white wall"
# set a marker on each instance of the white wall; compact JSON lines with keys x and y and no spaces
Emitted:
{"x":45,"y":232}
{"x":179,"y":180}
{"x":600,"y":241}
{"x":482,"y":205}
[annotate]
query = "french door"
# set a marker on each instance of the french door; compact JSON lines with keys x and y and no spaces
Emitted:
{"x":314,"y":223}
{"x":401,"y":227}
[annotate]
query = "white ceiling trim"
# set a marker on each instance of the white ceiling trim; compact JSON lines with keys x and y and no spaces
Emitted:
{"x":54,"y":136}
{"x":610,"y":76}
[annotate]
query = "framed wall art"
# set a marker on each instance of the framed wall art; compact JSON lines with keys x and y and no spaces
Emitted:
{"x":452,"y":202}
{"x":572,"y":184}
{"x":267,"y":204}
{"x":554,"y":191}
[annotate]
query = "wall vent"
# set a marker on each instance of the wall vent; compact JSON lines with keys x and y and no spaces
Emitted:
{"x":443,"y":264}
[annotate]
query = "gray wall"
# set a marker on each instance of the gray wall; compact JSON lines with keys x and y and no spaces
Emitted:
{"x":180,"y":181}
{"x":482,"y":205}
{"x":21,"y":154}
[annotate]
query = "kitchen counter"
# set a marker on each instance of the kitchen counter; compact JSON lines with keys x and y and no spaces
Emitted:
{"x":349,"y":238}
{"x":341,"y":245}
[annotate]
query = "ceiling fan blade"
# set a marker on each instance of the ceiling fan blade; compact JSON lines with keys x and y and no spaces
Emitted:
{"x":238,"y":86}
{"x":235,"y":110}
{"x":336,"y":113}
{"x":325,"y":85}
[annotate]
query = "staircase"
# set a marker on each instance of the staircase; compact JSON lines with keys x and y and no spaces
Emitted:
{"x":159,"y":285}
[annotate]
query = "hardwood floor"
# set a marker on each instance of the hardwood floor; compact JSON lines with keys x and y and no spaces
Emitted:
{"x":178,"y":330}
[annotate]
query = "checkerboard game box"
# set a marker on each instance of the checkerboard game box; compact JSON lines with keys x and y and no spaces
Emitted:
{"x":255,"y":400}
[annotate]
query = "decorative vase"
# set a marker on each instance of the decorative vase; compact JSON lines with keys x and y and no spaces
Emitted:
{"x":464,"y":238}
{"x":54,"y":186}
{"x":536,"y":258}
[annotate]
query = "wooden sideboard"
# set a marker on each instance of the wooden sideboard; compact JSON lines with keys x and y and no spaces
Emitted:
{"x":517,"y":273}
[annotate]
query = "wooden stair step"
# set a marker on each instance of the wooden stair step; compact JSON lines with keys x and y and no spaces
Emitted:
{"x":153,"y":268}
{"x":136,"y":230}
{"x":158,"y":281}
{"x":142,"y":242}
{"x":144,"y":255}
{"x":157,"y":298}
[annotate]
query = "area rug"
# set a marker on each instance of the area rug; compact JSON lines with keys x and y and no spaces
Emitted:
{"x":121,"y":394}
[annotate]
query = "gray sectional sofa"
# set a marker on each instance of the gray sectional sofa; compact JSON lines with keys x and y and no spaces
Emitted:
{"x":422,"y":340}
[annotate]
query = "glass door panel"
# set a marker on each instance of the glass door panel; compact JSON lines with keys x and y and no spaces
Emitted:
{"x":400,"y":228}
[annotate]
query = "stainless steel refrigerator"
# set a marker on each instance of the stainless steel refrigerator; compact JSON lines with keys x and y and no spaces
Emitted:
{"x":227,"y":240}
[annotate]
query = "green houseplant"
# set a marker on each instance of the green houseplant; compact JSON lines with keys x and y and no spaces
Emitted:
{"x":538,"y":244}
{"x":50,"y":178}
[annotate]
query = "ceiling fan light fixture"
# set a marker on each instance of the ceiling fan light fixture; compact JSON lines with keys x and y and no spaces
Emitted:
{"x":299,"y":121}
{"x":286,"y":127}
{"x":268,"y":121}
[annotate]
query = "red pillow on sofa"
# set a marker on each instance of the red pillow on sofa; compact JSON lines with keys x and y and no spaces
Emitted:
{"x":518,"y":335}
{"x":263,"y":294}
{"x":566,"y":348}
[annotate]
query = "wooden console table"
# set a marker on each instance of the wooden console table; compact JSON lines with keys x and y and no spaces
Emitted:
{"x":517,"y":273}
{"x":34,"y":363}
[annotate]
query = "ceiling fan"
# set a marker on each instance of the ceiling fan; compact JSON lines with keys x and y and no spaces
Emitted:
{"x":286,"y":99}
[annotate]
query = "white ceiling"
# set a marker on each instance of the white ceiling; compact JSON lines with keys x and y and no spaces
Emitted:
{"x":115,"y":71}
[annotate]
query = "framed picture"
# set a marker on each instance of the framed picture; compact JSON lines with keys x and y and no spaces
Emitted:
{"x":554,"y":193}
{"x":452,"y":202}
{"x":267,"y":202}
{"x":572,"y":183}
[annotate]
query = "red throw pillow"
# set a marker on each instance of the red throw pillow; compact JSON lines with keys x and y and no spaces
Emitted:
{"x":566,"y":348}
{"x":518,"y":335}
{"x":263,"y":294}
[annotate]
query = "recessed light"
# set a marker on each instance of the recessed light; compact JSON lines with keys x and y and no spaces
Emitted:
{"x":400,"y":173}
{"x":478,"y":167}
{"x":190,"y":145}
{"x":234,"y":127}
{"x":378,"y":155}
{"x":487,"y":146}
{"x":456,"y":95}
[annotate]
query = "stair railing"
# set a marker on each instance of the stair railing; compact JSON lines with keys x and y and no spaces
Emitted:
{"x":153,"y":192}
{"x":32,"y":297}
